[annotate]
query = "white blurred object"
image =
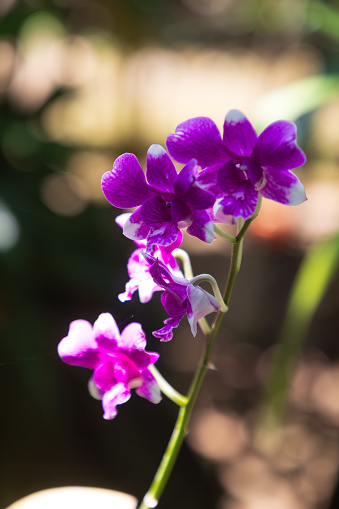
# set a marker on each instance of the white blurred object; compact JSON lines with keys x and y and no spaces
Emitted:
{"x":9,"y":229}
{"x":71,"y":497}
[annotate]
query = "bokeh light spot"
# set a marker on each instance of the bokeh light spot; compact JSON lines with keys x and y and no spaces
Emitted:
{"x":60,"y":194}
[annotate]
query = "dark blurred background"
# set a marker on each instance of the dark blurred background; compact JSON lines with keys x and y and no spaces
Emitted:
{"x":80,"y":83}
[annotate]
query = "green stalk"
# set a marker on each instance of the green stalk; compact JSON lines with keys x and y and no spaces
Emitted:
{"x":154,"y":493}
{"x":224,"y":235}
{"x":249,"y":221}
{"x":167,"y":389}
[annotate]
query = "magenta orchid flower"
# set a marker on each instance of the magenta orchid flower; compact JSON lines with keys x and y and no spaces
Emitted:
{"x":138,"y":267}
{"x":241,"y":165}
{"x":119,"y":361}
{"x":138,"y":270}
{"x":167,"y":202}
{"x":180,"y":298}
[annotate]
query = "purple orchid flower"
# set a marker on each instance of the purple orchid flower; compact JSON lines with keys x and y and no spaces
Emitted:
{"x":138,"y":267}
{"x":180,"y":298}
{"x":119,"y":361}
{"x":167,"y":202}
{"x":241,"y":165}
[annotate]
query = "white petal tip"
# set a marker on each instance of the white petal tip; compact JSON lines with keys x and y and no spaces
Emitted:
{"x":156,"y":150}
{"x":209,"y":233}
{"x":234,"y":116}
{"x":123,"y":297}
{"x":297,"y":194}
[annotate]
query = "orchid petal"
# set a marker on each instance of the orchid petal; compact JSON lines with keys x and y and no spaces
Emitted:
{"x":130,"y":287}
{"x":138,"y":271}
{"x":119,"y":394}
{"x":160,"y":172}
{"x":149,"y":388}
{"x":166,"y":333}
{"x":185,"y":178}
{"x":125,"y":185}
{"x":146,"y":289}
{"x":202,"y":226}
{"x":187,"y":188}
{"x":162,"y":275}
{"x":277,"y":147}
{"x":283,"y":187}
{"x":158,"y":271}
{"x":174,"y":305}
{"x":134,"y":227}
{"x":122,"y":218}
{"x":201,"y":303}
{"x":239,"y":136}
{"x":197,"y":138}
{"x":137,"y":265}
{"x":143,"y":359}
{"x":106,"y":332}
{"x":132,"y":338}
{"x":79,"y":348}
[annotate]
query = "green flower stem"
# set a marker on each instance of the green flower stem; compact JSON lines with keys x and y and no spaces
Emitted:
{"x":153,"y":495}
{"x":167,"y":389}
{"x":235,"y":265}
{"x":249,"y":221}
{"x":224,"y":235}
{"x":204,"y":326}
{"x":186,"y":262}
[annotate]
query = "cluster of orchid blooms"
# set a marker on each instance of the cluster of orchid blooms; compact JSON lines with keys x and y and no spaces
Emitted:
{"x":221,"y":182}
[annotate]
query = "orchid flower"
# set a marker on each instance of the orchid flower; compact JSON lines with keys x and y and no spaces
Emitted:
{"x":119,"y":361}
{"x":241,"y":165}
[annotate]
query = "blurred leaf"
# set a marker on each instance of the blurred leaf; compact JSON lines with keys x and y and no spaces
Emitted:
{"x":310,"y":285}
{"x":324,"y":18}
{"x":296,"y":99}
